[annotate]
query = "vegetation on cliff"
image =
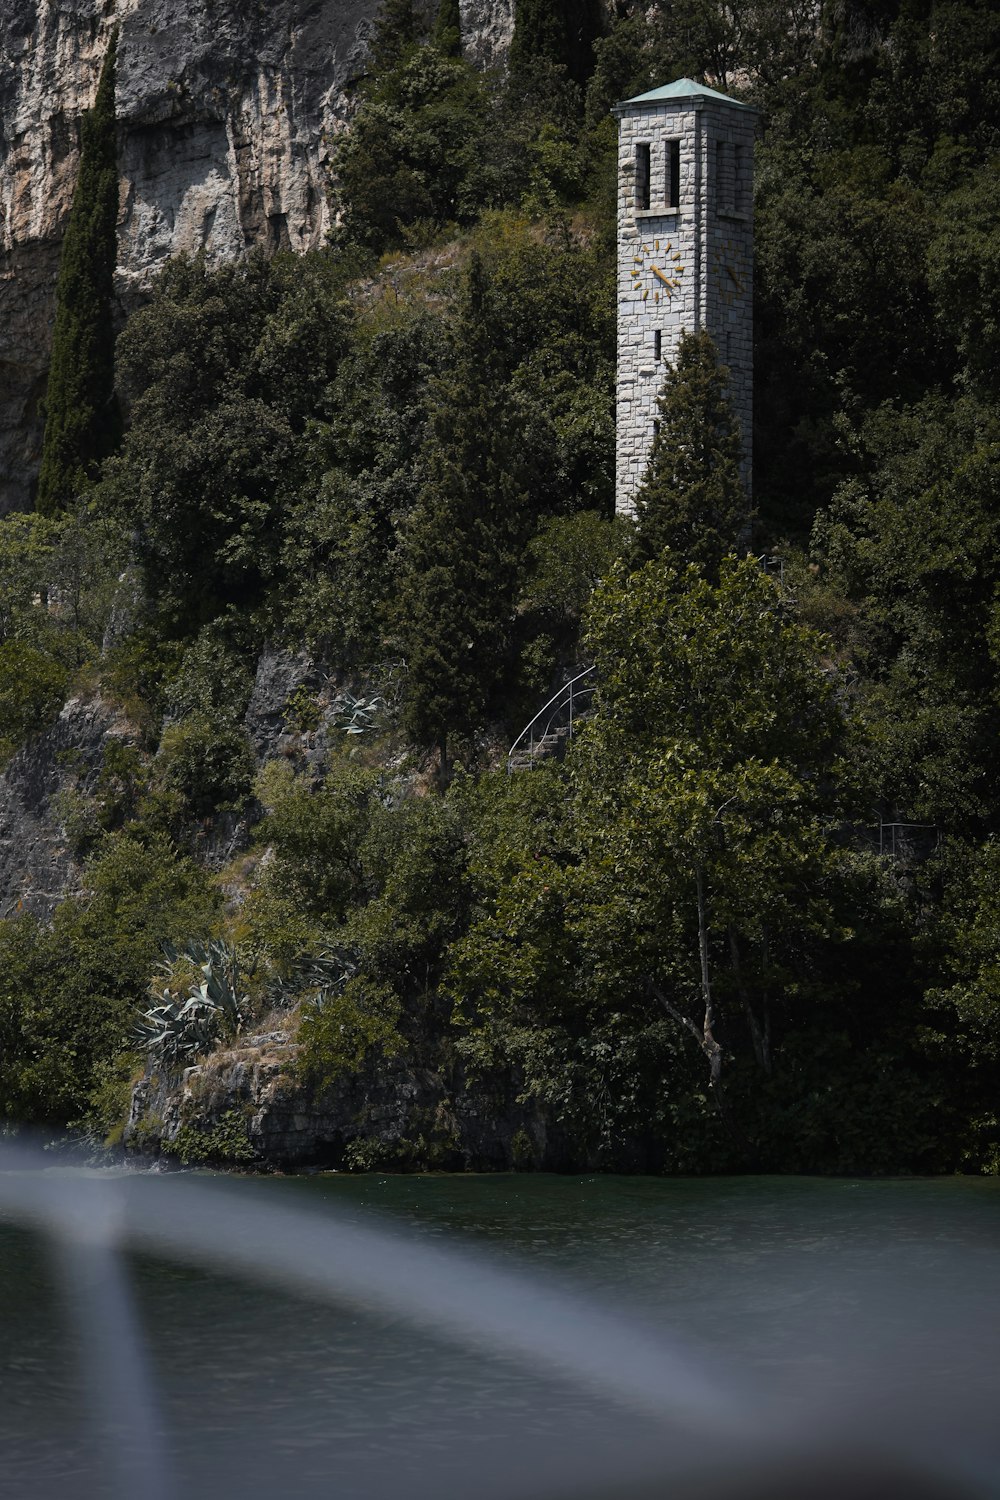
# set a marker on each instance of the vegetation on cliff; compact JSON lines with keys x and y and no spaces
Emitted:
{"x":81,"y":413}
{"x":686,"y":943}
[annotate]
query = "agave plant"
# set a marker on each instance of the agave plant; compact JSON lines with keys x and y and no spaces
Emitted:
{"x":200,"y":1002}
{"x":315,"y":976}
{"x":356,"y":715}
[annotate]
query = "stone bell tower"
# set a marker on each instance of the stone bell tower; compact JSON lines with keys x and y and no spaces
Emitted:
{"x":685,"y":255}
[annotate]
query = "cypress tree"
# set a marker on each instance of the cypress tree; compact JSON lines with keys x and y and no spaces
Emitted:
{"x":692,"y":498}
{"x":448,"y":28}
{"x":465,"y":538}
{"x":81,"y":418}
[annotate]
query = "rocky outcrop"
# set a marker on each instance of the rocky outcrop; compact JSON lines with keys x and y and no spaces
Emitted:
{"x":246,"y":1105}
{"x":37,"y":867}
{"x":63,"y":765}
{"x":227,"y":110}
{"x":279,"y":674}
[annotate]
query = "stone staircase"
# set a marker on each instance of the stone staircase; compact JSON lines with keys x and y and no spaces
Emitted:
{"x":551,"y":729}
{"x":553,"y":743}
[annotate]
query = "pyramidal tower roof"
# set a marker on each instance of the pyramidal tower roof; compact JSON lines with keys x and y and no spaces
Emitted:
{"x":683,"y":88}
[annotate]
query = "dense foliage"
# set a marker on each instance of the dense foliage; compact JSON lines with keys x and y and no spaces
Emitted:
{"x":692,"y":498}
{"x":81,"y":415}
{"x":753,"y":916}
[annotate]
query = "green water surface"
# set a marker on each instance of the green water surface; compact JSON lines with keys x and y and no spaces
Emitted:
{"x":864,"y":1305}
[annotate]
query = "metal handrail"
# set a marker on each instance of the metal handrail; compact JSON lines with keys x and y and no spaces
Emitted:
{"x":566,"y":697}
{"x":887,"y":847}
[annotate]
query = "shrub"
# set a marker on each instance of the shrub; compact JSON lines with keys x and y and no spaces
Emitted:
{"x":32,"y":689}
{"x":342,"y":1027}
{"x":210,"y":764}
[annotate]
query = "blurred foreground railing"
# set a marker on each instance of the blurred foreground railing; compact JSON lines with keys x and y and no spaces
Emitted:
{"x":710,"y":1438}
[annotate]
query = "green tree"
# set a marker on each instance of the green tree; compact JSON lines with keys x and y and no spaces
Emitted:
{"x":972,"y":923}
{"x":841,"y":316}
{"x":339,"y":559}
{"x":913,"y":543}
{"x":463,"y":543}
{"x":81,"y":418}
{"x":395,"y":33}
{"x":555,"y":32}
{"x":70,"y":993}
{"x":26,"y":544}
{"x":546,"y":329}
{"x":32,"y":690}
{"x":722,"y":809}
{"x":692,"y":499}
{"x":222,"y":371}
{"x":962,"y":1020}
{"x":448,"y":28}
{"x":684,"y":876}
{"x":569,"y":555}
{"x":417,"y":156}
{"x":566,"y":558}
{"x":58,"y":580}
{"x":964,"y":276}
{"x":211,"y":764}
{"x":316,"y":835}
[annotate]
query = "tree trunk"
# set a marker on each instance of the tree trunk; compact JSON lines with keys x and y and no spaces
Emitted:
{"x":760,"y":1036}
{"x":704,"y":1034}
{"x":709,"y":1045}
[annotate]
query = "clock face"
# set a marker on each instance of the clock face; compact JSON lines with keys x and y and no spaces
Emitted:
{"x":730,"y":275}
{"x":657,"y":269}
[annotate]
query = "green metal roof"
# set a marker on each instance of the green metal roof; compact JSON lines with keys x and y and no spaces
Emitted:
{"x":683,"y":88}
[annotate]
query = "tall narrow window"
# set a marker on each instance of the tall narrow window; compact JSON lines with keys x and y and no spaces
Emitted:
{"x":727,"y":171}
{"x":656,"y":428}
{"x":721,"y":197}
{"x":642,"y":176}
{"x":657,"y":345}
{"x":738,"y":184}
{"x":673,"y":174}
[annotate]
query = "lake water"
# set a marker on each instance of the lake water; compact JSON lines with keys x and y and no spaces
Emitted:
{"x":841,"y":1330}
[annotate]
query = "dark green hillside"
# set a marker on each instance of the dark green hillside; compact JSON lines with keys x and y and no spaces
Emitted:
{"x":359,"y":527}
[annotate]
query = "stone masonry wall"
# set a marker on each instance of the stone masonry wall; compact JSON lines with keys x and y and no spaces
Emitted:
{"x":684,"y":266}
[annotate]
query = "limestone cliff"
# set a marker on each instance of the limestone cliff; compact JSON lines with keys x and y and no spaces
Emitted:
{"x":37,"y":867}
{"x":226,"y":110}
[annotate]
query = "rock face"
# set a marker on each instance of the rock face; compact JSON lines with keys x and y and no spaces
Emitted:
{"x":37,"y":867}
{"x":227,"y":110}
{"x":245,"y":1106}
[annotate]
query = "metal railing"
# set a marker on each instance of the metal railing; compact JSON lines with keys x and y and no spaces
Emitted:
{"x":555,"y":720}
{"x":907,"y":841}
